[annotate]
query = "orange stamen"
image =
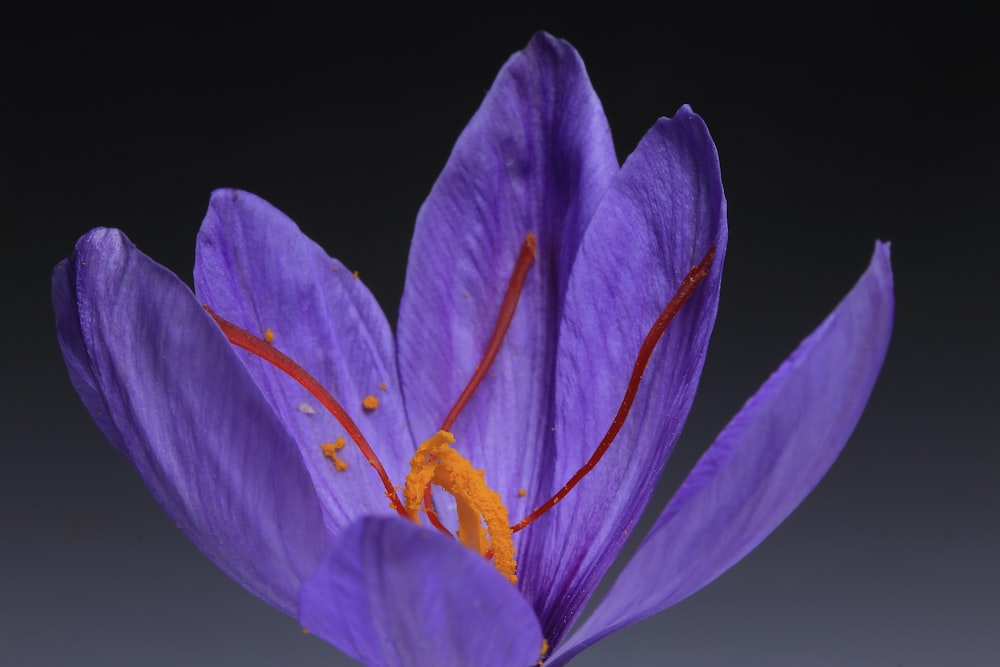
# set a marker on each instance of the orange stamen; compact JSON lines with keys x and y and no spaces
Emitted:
{"x":524,"y":262}
{"x":684,"y":292}
{"x":436,"y":461}
{"x":259,"y":348}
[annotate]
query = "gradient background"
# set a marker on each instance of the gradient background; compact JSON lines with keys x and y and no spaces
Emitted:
{"x":834,"y":129}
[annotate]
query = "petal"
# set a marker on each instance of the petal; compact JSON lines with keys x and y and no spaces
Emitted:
{"x":765,"y":462}
{"x":255,"y":268}
{"x":167,"y":389}
{"x":393,"y":594}
{"x":535,"y":157}
{"x":659,"y":218}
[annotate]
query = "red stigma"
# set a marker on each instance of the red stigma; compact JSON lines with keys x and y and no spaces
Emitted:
{"x":524,"y":261}
{"x":684,"y":292}
{"x":259,"y":348}
{"x":514,"y":288}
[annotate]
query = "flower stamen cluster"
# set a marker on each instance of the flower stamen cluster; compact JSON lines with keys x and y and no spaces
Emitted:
{"x":437,"y":462}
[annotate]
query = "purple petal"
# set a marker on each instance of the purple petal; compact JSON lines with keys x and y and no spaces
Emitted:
{"x":167,"y":389}
{"x":536,"y":157}
{"x":659,"y":218}
{"x":392,"y":594}
{"x":255,"y":268}
{"x":765,"y":462}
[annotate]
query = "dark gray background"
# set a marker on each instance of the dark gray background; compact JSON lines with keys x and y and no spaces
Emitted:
{"x":834,"y":127}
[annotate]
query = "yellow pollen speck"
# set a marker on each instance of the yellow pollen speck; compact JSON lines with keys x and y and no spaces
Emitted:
{"x":383,"y":386}
{"x":522,"y":492}
{"x":369,"y":402}
{"x":336,"y":268}
{"x":355,"y":274}
{"x":545,"y":650}
{"x":268,"y":335}
{"x":305,"y":631}
{"x":330,"y":450}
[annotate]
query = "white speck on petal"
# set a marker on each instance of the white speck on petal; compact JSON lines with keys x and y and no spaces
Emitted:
{"x":306,"y":409}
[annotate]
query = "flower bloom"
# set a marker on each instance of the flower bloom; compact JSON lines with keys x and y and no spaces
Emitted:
{"x":267,"y":483}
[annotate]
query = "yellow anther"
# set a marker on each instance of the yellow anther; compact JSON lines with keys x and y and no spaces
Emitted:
{"x":330,"y":450}
{"x":369,"y":402}
{"x":436,"y":462}
{"x":268,"y":335}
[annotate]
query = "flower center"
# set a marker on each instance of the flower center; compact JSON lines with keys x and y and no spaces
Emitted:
{"x":436,"y":461}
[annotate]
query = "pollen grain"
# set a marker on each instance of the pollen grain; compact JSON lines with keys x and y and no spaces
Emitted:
{"x":330,"y":450}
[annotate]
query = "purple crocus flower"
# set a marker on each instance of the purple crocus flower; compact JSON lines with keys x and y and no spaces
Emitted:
{"x":250,"y":466}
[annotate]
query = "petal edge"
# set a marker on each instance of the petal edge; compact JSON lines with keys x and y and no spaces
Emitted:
{"x":168,"y":390}
{"x":762,"y":465}
{"x":393,"y":594}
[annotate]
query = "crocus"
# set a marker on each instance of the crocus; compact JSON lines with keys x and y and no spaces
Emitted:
{"x":253,"y":468}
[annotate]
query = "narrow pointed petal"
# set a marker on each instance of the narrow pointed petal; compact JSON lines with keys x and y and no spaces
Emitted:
{"x":536,"y":157}
{"x":165,"y":386}
{"x":255,"y":268}
{"x":659,"y":218}
{"x":765,"y":462}
{"x":393,"y":594}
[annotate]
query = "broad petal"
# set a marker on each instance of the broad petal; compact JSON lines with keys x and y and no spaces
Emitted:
{"x":255,"y":268}
{"x":392,"y":594}
{"x":167,"y":389}
{"x":658,"y":220}
{"x":536,"y":157}
{"x":765,"y":462}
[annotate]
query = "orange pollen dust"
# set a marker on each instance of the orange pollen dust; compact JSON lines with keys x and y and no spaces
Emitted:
{"x":436,"y":462}
{"x":330,"y":450}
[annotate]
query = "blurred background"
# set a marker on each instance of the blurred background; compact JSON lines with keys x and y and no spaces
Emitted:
{"x":835,"y":128}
